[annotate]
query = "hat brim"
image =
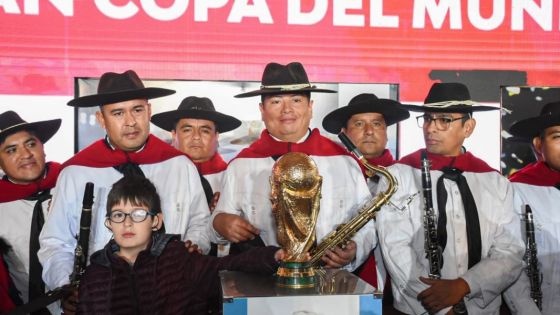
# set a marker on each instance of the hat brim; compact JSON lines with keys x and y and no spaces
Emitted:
{"x":282,"y":91}
{"x":531,"y":127}
{"x":391,"y":110}
{"x":44,"y":130}
{"x":449,"y":109}
{"x":120,"y":96}
{"x":167,"y":120}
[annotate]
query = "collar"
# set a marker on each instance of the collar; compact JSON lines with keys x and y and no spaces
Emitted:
{"x":385,"y":159}
{"x":112,"y":147}
{"x":537,"y":174}
{"x":12,"y":192}
{"x":215,"y":165}
{"x":99,"y":154}
{"x":465,"y":162}
{"x":299,"y":141}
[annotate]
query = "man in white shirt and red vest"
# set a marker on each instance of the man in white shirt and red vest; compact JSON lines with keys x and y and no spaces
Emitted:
{"x":476,"y":228}
{"x":537,"y":185}
{"x":244,"y":210}
{"x":25,"y":192}
{"x":365,"y":120}
{"x":128,"y":150}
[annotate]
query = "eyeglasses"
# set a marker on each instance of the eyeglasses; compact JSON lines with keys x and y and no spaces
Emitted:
{"x":375,"y":125}
{"x":442,"y":123}
{"x":136,"y":215}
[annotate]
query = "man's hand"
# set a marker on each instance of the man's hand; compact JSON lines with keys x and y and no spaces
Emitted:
{"x":234,"y":228}
{"x":340,"y":257}
{"x":442,"y":293}
{"x":191,"y":247}
{"x":70,"y":302}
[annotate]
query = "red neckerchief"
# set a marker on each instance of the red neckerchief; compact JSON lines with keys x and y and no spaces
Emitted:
{"x":12,"y":192}
{"x":537,"y":174}
{"x":315,"y":144}
{"x":465,"y":162}
{"x":385,"y":159}
{"x":99,"y":154}
{"x":6,"y":303}
{"x":215,"y":165}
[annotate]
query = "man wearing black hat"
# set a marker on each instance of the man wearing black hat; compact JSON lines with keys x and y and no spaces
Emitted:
{"x":128,"y":150}
{"x":25,"y":192}
{"x":244,"y":209}
{"x":195,"y":128}
{"x":477,"y":231}
{"x":538,"y":186}
{"x":365,"y":120}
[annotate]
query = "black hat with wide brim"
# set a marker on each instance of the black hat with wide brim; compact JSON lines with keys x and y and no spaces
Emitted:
{"x":532,"y":127}
{"x":119,"y":87}
{"x":196,"y":108}
{"x":449,"y":98}
{"x":284,"y":79}
{"x":391,"y":110}
{"x":10,"y":123}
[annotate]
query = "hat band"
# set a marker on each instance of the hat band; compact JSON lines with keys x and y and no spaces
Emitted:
{"x":451,"y":103}
{"x":13,"y":126}
{"x":287,"y":87}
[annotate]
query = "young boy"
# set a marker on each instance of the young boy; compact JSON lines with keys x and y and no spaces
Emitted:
{"x":143,"y":271}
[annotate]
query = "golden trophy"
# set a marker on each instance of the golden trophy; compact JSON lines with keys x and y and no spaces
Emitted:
{"x":295,"y":195}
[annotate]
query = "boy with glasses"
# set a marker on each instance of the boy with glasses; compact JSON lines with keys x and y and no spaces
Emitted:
{"x":144,"y":271}
{"x":477,"y":231}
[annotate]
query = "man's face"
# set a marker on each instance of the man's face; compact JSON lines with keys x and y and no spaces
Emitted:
{"x":287,"y":116}
{"x":22,"y":157}
{"x":127,"y":123}
{"x":549,"y":147}
{"x":368,"y":132}
{"x":444,"y":133}
{"x":196,"y":137}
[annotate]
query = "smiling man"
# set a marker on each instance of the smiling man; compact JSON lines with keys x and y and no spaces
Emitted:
{"x":128,"y":150}
{"x":24,"y":197}
{"x":477,"y":230}
{"x":244,"y":211}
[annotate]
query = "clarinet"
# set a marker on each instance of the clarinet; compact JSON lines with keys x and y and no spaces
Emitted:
{"x":434,"y":252}
{"x":80,"y":261}
{"x":82,"y":247}
{"x":535,"y":276}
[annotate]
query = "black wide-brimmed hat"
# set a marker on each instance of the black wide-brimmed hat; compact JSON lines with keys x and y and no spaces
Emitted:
{"x":531,"y":127}
{"x":10,"y":123}
{"x":196,"y":108}
{"x":365,"y":103}
{"x":449,"y":98}
{"x":119,"y":87}
{"x":283,"y":79}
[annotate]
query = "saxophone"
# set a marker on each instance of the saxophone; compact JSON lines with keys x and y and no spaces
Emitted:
{"x":345,"y":231}
{"x":535,"y":276}
{"x":434,"y":252}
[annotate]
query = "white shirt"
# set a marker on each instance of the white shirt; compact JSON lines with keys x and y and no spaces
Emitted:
{"x":183,"y":201}
{"x":401,"y":236}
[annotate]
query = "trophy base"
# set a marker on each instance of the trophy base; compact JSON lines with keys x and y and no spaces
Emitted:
{"x":295,"y":275}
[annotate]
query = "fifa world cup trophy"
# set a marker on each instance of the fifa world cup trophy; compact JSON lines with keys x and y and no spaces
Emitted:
{"x":295,"y":195}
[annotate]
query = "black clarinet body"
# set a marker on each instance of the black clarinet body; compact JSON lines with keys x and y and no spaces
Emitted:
{"x":434,"y":252}
{"x":533,"y":272}
{"x":82,"y":247}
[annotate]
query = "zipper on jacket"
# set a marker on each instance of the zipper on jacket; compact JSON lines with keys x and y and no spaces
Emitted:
{"x":132,"y":283}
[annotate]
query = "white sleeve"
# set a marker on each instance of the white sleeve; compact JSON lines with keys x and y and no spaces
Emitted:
{"x":397,"y":236}
{"x":57,"y":238}
{"x":226,"y":204}
{"x":493,"y":274}
{"x":197,"y":208}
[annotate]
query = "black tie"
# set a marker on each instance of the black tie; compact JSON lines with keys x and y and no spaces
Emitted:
{"x":471,"y":213}
{"x":129,"y":169}
{"x":36,"y":284}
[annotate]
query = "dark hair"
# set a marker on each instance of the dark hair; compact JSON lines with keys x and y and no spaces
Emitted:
{"x":136,"y":190}
{"x":466,"y":117}
{"x":304,"y":93}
